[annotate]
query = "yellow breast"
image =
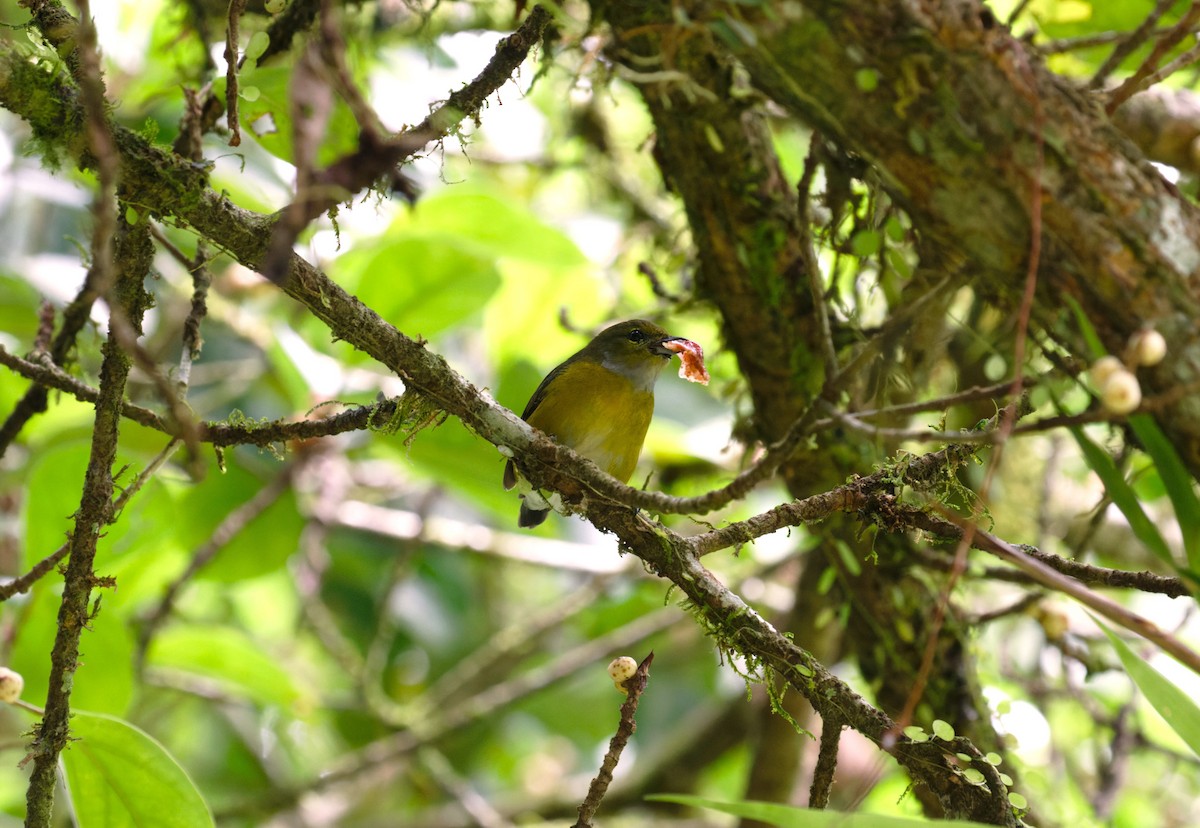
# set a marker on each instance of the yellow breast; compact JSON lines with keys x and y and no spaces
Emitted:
{"x":599,"y":413}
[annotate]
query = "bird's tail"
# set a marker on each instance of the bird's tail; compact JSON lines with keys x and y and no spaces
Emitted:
{"x":531,"y":517}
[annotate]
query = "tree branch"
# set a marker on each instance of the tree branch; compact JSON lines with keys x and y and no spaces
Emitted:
{"x":1048,"y":577}
{"x":1117,"y":238}
{"x":134,"y":253}
{"x":635,"y":685}
{"x":822,"y":783}
{"x":377,"y":155}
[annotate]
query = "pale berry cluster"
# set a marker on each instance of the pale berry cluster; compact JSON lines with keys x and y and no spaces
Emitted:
{"x":1113,"y":378}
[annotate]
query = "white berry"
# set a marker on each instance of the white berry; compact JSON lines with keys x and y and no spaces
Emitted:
{"x":1121,"y":393}
{"x":1102,"y":369}
{"x":620,"y":669}
{"x":11,"y":685}
{"x":1148,"y":347}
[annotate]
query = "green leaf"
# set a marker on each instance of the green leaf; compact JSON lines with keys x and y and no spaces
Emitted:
{"x":916,"y":141}
{"x":273,"y":99}
{"x":1175,"y":706}
{"x":452,"y":456}
{"x":54,"y":479}
{"x":848,"y":559}
{"x":1123,"y":495}
{"x":423,"y":284}
{"x":104,"y":680}
{"x":896,"y":261}
{"x":866,"y":243}
{"x":229,"y":657}
{"x":497,"y":226}
{"x":785,"y":816}
{"x":1177,"y":481}
{"x":259,"y":41}
{"x":1090,"y":337}
{"x":943,"y":730}
{"x":18,"y":312}
{"x":867,"y":80}
{"x":117,"y":775}
{"x":263,"y":545}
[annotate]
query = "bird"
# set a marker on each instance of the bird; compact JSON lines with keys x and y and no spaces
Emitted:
{"x":599,"y":402}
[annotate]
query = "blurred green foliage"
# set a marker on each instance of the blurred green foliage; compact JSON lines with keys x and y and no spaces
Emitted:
{"x":314,"y":640}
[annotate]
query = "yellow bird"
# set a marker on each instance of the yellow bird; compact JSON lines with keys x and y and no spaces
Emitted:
{"x":600,"y":401}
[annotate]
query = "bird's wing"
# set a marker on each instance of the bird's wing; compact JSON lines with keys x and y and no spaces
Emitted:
{"x":510,"y":472}
{"x":540,"y":393}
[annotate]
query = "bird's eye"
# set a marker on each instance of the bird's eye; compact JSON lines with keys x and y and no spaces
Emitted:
{"x":636,"y":335}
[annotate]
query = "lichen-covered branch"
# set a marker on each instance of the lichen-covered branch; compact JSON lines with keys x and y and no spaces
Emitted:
{"x":175,"y":189}
{"x":42,"y":371}
{"x":132,"y":262}
{"x":1118,"y":238}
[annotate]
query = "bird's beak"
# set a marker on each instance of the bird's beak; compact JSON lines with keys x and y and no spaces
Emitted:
{"x":658,"y":348}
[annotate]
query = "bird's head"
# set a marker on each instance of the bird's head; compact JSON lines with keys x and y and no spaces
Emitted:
{"x":634,"y":348}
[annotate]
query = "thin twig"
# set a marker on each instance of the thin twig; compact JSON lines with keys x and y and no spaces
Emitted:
{"x":1018,"y":607}
{"x":95,"y":512}
{"x":808,"y":257}
{"x":192,"y":340}
{"x":1017,"y":11}
{"x":1095,"y":576}
{"x":1186,"y":59}
{"x":35,"y":400}
{"x":478,"y":808}
{"x":21,"y":585}
{"x":514,"y":642}
{"x":236,"y":8}
{"x":1109,"y":609}
{"x":822,"y":782}
{"x":656,"y":285}
{"x":1144,"y":31}
{"x":635,"y":685}
{"x":919,"y":435}
{"x":426,"y":721}
{"x":333,"y":52}
{"x":227,"y":530}
{"x":920,"y":473}
{"x":1112,"y":771}
{"x":979,"y":392}
{"x":1070,"y":44}
{"x":184,"y":422}
{"x":1137,"y":81}
{"x":191,"y":131}
{"x":309,"y":576}
{"x":47,"y":374}
{"x":377,"y":157}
